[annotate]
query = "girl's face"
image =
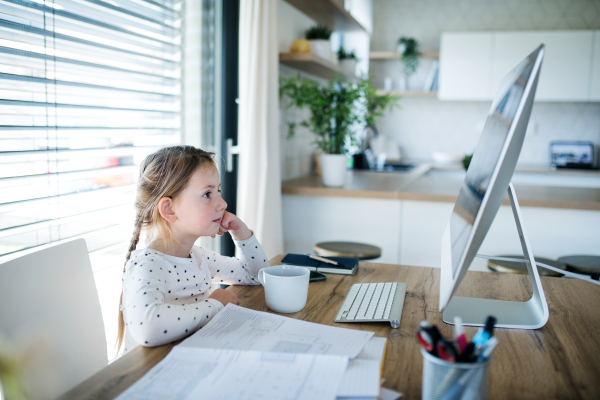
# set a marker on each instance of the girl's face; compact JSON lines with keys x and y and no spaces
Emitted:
{"x":199,"y":207}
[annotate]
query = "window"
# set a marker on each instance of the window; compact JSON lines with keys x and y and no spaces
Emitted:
{"x":88,"y":88}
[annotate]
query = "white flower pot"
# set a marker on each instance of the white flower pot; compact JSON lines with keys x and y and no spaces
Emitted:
{"x":333,"y":169}
{"x":348,"y":66}
{"x":321,"y":48}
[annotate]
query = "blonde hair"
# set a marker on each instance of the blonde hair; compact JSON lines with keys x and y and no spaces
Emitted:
{"x":162,"y":174}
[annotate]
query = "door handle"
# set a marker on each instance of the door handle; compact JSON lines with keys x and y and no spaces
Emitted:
{"x":231,"y":150}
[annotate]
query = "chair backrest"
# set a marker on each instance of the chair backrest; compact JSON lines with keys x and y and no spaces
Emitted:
{"x":50,"y":297}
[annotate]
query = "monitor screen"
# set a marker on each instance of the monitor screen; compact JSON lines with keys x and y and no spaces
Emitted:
{"x":486,"y":158}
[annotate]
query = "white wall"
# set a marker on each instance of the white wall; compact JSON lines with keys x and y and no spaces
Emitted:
{"x":426,"y":125}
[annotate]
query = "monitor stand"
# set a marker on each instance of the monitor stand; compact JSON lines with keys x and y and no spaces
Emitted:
{"x":530,"y":314}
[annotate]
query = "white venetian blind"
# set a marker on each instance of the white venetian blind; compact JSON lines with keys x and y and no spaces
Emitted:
{"x":88,"y":88}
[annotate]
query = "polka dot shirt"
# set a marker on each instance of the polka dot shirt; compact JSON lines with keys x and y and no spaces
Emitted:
{"x":165,"y":298}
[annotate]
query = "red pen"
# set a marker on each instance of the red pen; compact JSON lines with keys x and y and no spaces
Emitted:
{"x":446,"y":351}
{"x":425,"y":340}
{"x":459,"y":334}
{"x":428,"y":335}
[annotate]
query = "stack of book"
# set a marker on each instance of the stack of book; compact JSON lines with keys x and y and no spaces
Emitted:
{"x":431,"y":83}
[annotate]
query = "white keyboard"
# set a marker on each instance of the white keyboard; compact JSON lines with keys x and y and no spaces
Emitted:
{"x":373,"y":302}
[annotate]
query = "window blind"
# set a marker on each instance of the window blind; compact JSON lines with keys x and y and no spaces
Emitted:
{"x":88,"y":88}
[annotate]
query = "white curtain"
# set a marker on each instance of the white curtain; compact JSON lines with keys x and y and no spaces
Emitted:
{"x":259,"y":176}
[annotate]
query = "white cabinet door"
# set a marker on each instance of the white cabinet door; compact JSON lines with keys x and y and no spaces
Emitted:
{"x":465,"y":66}
{"x":565,"y":74}
{"x":595,"y":85}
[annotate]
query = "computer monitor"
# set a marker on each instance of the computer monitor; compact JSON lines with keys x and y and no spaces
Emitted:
{"x":489,"y":174}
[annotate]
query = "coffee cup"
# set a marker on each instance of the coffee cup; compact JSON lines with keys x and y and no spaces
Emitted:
{"x":286,"y":287}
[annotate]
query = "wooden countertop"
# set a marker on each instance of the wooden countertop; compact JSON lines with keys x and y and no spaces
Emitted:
{"x":417,"y":186}
{"x":560,"y":360}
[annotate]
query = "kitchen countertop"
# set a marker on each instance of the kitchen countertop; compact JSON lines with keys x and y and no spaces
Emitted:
{"x":417,"y":185}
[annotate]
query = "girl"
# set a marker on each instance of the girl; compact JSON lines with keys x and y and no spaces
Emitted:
{"x":168,"y":286}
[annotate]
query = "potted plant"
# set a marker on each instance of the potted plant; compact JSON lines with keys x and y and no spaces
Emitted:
{"x":335,"y":113}
{"x":347,"y":61}
{"x":318,"y":36}
{"x":409,"y":48}
{"x":338,"y":111}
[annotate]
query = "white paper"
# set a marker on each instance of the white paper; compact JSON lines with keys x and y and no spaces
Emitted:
{"x":363,"y":375}
{"x":219,"y":374}
{"x":389,"y":394}
{"x":243,"y":329}
{"x":361,"y":379}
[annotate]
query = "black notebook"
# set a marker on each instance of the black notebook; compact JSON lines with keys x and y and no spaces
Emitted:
{"x":350,"y":265}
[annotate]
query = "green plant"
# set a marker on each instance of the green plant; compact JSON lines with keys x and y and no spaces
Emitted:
{"x":376,"y":103}
{"x":466,"y":161}
{"x":332,"y":109}
{"x":317,"y":32}
{"x":337,"y":109}
{"x":409,"y":47}
{"x":343,"y":55}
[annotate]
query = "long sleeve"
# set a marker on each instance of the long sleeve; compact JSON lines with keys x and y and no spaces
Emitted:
{"x":233,"y":271}
{"x":150,"y":319}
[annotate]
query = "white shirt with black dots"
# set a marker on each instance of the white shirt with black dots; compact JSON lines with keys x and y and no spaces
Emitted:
{"x":165,"y":298}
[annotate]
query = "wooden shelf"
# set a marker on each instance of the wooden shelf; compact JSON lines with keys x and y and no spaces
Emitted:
{"x":408,"y":94}
{"x":311,"y":64}
{"x":329,"y":13}
{"x":393,"y":55}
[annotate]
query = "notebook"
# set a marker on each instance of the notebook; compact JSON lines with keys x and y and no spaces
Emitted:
{"x":350,"y":265}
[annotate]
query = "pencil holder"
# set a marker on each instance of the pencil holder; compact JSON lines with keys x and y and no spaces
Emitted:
{"x":451,"y":381}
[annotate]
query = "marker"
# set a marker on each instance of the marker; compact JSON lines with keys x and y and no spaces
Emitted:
{"x":459,"y":334}
{"x":483,"y":334}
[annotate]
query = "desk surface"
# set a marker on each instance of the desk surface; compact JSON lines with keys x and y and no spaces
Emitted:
{"x":561,"y":360}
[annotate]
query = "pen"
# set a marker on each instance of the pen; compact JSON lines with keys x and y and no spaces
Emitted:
{"x":467,"y":355}
{"x":325,"y":260}
{"x":459,"y":334}
{"x":488,"y":348}
{"x":446,"y":351}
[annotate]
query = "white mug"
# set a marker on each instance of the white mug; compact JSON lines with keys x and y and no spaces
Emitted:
{"x":286,"y":287}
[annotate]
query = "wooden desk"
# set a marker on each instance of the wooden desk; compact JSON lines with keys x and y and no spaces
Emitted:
{"x":561,"y":360}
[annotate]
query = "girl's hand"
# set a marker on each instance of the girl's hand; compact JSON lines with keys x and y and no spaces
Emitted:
{"x":235,"y":226}
{"x":225,"y":297}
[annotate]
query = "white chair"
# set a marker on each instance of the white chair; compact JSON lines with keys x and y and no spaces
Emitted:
{"x":49,"y":300}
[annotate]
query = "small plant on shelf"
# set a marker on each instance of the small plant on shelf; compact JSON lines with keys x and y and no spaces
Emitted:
{"x":347,"y":61}
{"x":320,"y":45}
{"x":409,"y":48}
{"x":318,"y":32}
{"x":344,"y":55}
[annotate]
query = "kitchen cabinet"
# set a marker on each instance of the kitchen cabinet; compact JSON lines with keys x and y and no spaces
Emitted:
{"x":566,"y":69}
{"x":308,"y":220}
{"x":465,"y":66}
{"x":552,"y":233}
{"x":595,"y":85}
{"x":406,"y":215}
{"x":565,"y":74}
